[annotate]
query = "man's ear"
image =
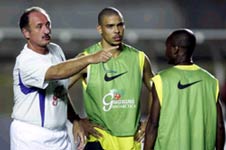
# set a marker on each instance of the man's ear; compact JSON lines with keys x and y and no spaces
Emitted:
{"x":99,"y":29}
{"x":176,"y":50}
{"x":26,"y":33}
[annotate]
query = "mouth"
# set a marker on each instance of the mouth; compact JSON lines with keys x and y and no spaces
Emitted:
{"x":117,"y":38}
{"x":46,"y":37}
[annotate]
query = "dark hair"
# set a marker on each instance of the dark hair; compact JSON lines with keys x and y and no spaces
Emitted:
{"x":108,"y":11}
{"x":183,"y":38}
{"x":24,"y":19}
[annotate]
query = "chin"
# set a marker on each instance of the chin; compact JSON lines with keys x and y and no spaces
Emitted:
{"x":46,"y":43}
{"x":116,"y":44}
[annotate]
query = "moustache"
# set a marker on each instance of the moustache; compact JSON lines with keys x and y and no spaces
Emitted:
{"x":47,"y":36}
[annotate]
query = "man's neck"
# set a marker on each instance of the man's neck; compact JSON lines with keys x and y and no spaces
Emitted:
{"x":115,"y":52}
{"x":38,"y":49}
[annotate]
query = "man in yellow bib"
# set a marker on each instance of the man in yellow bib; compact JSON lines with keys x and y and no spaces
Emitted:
{"x":186,"y":112}
{"x":111,"y":90}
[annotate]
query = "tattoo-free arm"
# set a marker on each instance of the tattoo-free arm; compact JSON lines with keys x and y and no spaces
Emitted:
{"x":153,"y":121}
{"x":220,"y":138}
{"x":77,"y":130}
{"x":70,"y":67}
{"x":147,"y":73}
{"x":71,"y":115}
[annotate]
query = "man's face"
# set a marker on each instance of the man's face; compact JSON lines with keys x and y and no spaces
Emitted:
{"x":112,"y":30}
{"x":39,"y":30}
{"x":169,"y":52}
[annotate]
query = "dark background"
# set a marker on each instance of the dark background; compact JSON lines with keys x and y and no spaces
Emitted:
{"x":148,"y":22}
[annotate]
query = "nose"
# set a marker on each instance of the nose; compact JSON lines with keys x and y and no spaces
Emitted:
{"x":116,"y":29}
{"x":47,"y":29}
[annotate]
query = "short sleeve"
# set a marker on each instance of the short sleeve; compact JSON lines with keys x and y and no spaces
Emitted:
{"x":33,"y":70}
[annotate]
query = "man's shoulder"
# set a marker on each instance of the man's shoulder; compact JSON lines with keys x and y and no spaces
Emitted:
{"x":93,"y":48}
{"x":167,"y":71}
{"x":53,"y":46}
{"x":207,"y":73}
{"x":129,"y":47}
{"x":132,"y":49}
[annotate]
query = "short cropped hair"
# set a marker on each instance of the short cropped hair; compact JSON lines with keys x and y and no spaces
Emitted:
{"x":183,"y":38}
{"x":108,"y":11}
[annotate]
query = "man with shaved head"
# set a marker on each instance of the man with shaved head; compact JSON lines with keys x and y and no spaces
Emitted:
{"x":186,"y":113}
{"x":112,"y":90}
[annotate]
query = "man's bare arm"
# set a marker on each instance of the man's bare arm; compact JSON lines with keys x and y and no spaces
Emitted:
{"x":220,"y":138}
{"x":153,"y":122}
{"x":70,"y":67}
{"x":147,"y":73}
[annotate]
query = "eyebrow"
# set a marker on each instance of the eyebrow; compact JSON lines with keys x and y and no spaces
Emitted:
{"x":110,"y":24}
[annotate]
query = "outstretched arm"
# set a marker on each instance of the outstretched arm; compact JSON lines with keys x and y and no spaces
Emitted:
{"x":79,"y":75}
{"x":153,"y":121}
{"x":70,"y":67}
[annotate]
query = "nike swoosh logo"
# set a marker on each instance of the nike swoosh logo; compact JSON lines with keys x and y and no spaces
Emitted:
{"x":107,"y":78}
{"x":183,"y":86}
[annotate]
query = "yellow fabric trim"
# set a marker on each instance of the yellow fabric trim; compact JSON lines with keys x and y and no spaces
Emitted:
{"x":158,"y":86}
{"x":141,"y":61}
{"x":85,"y":81}
{"x":88,"y":67}
{"x":187,"y":67}
{"x":110,"y":142}
{"x":85,"y":53}
{"x":217,"y":90}
{"x":84,"y":84}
